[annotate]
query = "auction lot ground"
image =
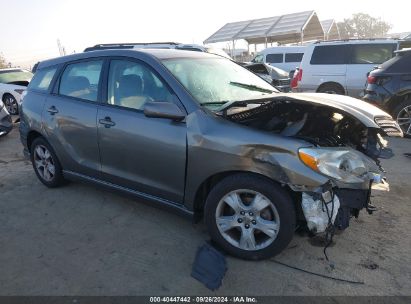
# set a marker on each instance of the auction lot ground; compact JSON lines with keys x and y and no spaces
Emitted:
{"x":82,"y":240}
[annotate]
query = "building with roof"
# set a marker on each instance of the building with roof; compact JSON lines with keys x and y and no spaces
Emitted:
{"x":285,"y":29}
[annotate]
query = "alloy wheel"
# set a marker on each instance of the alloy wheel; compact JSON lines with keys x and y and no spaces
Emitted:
{"x":44,"y":163}
{"x":247,"y":219}
{"x":404,"y":119}
{"x":11,"y":104}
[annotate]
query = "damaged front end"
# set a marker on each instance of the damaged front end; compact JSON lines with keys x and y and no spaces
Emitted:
{"x":345,"y":142}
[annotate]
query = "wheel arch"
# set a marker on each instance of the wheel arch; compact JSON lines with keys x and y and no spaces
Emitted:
{"x":331,"y":83}
{"x":205,"y":187}
{"x":396,"y":99}
{"x":31,"y":136}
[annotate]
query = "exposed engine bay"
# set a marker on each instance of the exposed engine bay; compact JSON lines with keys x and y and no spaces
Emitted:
{"x":325,"y":126}
{"x":320,"y":125}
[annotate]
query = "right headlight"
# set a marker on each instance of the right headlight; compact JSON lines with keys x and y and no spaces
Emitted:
{"x":346,"y":165}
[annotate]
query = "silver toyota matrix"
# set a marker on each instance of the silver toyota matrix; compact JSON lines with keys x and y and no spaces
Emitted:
{"x":202,"y":135}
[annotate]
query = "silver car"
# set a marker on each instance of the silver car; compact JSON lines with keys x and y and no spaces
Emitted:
{"x":199,"y":134}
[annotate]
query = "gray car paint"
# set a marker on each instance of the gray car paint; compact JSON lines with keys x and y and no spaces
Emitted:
{"x":164,"y":160}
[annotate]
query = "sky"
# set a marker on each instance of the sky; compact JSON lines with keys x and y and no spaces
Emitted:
{"x":29,"y":29}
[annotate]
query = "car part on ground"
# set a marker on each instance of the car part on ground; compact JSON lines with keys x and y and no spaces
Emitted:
{"x":215,"y":141}
{"x":209,"y":266}
{"x":389,"y":87}
{"x":275,"y":76}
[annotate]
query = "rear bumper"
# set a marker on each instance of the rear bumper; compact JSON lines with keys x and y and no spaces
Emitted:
{"x":377,"y":98}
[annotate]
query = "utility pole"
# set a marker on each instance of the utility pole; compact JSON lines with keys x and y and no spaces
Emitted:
{"x":62,"y":50}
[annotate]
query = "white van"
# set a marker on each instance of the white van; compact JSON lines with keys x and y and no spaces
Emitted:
{"x":287,"y":58}
{"x":341,"y":67}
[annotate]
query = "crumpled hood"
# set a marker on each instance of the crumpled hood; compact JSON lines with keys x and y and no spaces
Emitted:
{"x":361,"y":110}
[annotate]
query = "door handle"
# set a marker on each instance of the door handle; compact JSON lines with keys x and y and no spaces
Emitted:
{"x":52,"y":110}
{"x":107,"y":122}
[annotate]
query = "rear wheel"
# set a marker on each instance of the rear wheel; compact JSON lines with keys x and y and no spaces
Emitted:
{"x":402,"y":114}
{"x":45,"y":163}
{"x":331,"y":88}
{"x":250,"y":217}
{"x":11,"y":104}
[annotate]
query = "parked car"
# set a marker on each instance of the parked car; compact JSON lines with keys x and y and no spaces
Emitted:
{"x":6,"y":123}
{"x":160,"y":45}
{"x":389,"y":87}
{"x":273,"y":75}
{"x":13,"y":82}
{"x":287,"y":58}
{"x":200,"y":134}
{"x":340,"y":67}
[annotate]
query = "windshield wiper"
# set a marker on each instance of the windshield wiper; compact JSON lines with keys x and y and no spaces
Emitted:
{"x":213,"y":103}
{"x":251,"y":87}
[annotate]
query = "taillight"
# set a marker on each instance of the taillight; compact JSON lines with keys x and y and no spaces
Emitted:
{"x":372,"y":79}
{"x":298,"y":75}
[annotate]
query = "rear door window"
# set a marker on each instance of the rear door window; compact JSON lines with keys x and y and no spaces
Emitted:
{"x":274,"y":58}
{"x":371,"y":53}
{"x":81,"y":80}
{"x":42,"y":79}
{"x":329,"y":54}
{"x":294,"y":57}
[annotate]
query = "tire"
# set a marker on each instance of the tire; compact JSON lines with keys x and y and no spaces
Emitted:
{"x":232,"y":235}
{"x":11,"y":104}
{"x":331,"y":88}
{"x":43,"y":164}
{"x":402,"y":114}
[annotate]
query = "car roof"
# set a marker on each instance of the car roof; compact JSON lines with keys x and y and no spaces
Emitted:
{"x":160,"y":54}
{"x":14,"y":70}
{"x":284,"y":48}
{"x":355,"y":41}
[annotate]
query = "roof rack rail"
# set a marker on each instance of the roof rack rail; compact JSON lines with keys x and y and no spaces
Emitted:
{"x":105,"y":46}
{"x":355,"y":39}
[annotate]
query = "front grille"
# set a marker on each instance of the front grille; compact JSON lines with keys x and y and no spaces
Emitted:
{"x":389,"y":126}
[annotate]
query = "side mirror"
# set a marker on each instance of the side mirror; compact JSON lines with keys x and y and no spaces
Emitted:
{"x":164,"y":109}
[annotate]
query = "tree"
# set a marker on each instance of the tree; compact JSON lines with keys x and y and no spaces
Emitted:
{"x":3,"y":63}
{"x":363,"y":26}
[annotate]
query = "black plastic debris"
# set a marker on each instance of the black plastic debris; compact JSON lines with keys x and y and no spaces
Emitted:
{"x":209,"y":266}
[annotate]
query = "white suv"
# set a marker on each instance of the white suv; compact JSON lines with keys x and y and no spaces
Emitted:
{"x":341,"y":67}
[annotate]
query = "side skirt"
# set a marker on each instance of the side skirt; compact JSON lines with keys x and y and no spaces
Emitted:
{"x":147,"y":198}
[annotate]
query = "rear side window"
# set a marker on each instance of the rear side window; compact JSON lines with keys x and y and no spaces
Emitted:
{"x":81,"y":80}
{"x":294,"y":57}
{"x":42,"y":79}
{"x":274,"y":58}
{"x":329,"y":54}
{"x":372,"y":53}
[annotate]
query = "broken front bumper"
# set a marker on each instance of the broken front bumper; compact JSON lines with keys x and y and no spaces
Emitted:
{"x":330,"y":205}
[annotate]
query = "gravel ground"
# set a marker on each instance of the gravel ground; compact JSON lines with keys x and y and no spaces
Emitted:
{"x":82,"y":240}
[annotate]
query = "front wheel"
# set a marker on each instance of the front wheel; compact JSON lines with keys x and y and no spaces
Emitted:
{"x":250,"y":217}
{"x":11,"y":104}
